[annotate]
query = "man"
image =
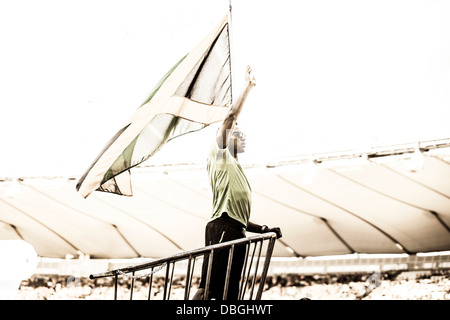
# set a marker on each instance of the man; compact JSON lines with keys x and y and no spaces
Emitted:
{"x":231,"y":203}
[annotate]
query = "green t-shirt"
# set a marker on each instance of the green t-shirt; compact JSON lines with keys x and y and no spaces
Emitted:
{"x":230,"y":187}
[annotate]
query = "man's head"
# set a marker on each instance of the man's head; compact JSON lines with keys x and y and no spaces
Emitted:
{"x":237,"y":142}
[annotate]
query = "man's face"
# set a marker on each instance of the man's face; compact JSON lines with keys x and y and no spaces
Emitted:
{"x":238,"y":141}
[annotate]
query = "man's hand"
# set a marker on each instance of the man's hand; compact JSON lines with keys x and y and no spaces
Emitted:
{"x":249,"y":77}
{"x":277,"y":231}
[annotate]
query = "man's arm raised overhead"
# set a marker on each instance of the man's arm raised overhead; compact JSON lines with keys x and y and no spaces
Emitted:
{"x":227,"y":127}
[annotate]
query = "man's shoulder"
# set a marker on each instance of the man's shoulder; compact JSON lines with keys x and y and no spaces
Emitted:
{"x":215,"y":149}
{"x":217,"y":154}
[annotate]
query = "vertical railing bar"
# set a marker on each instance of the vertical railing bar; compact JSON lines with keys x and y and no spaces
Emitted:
{"x":132,"y":286}
{"x":256,"y":269}
{"x":191,"y":276}
{"x":208,"y":274}
{"x":266,"y":267}
{"x":187,"y":285}
{"x":165,"y":280}
{"x":244,"y":286}
{"x":171,"y":280}
{"x":247,"y":246}
{"x":249,"y":270}
{"x":115,"y":285}
{"x":227,"y":277}
{"x":150,"y":283}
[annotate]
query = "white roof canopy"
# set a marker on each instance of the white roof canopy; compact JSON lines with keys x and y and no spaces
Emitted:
{"x":390,"y":200}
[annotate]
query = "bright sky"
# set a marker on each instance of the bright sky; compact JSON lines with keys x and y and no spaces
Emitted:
{"x":331,"y":75}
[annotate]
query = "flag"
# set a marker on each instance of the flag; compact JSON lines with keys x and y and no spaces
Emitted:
{"x":193,"y":94}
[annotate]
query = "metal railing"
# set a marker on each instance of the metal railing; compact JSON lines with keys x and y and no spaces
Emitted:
{"x":254,"y":248}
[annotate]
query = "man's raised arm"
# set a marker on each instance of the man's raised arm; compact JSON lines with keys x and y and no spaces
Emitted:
{"x":224,"y":133}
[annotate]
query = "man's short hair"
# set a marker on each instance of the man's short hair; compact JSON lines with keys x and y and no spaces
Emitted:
{"x":237,"y":132}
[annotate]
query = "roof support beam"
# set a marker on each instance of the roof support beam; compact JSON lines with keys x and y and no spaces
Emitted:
{"x":87,"y":215}
{"x":141,"y":221}
{"x":126,"y":241}
{"x":436,"y":215}
{"x":14,"y":228}
{"x":338,"y":236}
{"x":303,"y":212}
{"x":391,"y":197}
{"x":42,"y":224}
{"x":410,"y":179}
{"x":396,"y":243}
{"x":170,"y":204}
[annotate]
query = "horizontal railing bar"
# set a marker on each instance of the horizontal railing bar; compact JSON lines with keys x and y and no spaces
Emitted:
{"x":182,"y":256}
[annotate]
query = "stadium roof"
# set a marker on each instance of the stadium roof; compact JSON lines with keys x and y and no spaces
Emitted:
{"x":389,"y":200}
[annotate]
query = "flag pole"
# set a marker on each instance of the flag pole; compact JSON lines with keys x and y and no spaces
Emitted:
{"x":230,"y":43}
